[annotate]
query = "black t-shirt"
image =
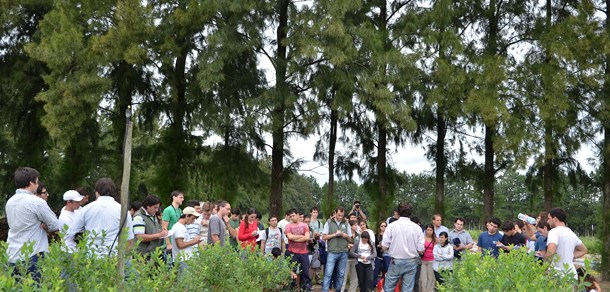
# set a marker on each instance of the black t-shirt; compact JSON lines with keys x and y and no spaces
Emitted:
{"x":518,"y":240}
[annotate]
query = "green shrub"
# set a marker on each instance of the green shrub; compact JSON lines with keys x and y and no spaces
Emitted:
{"x":211,"y":269}
{"x":593,"y":244}
{"x":514,"y":271}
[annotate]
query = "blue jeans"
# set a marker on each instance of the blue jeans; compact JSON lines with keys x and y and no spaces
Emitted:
{"x":401,"y":268}
{"x":381,"y":265}
{"x":334,"y":261}
{"x":302,"y":261}
{"x":32,"y":268}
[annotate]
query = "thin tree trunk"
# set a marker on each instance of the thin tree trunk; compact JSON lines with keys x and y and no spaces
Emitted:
{"x":548,"y":134}
{"x":441,"y":164}
{"x":605,"y":265}
{"x":489,"y":175}
{"x":334,"y":120}
{"x":382,"y":172}
{"x":548,"y":168}
{"x":278,"y":116}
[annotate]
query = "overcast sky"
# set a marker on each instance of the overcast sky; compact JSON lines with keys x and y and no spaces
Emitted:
{"x":408,"y":158}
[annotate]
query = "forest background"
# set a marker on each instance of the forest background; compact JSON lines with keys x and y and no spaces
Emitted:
{"x":522,"y":84}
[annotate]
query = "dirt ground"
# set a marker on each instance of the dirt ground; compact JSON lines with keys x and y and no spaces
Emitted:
{"x":605,"y":285}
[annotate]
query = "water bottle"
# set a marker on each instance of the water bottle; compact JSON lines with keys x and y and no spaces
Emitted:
{"x":528,"y":219}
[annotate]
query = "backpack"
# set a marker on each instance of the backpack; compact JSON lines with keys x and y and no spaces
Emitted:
{"x":281,"y":233}
{"x":322,"y":252}
{"x":315,"y":260}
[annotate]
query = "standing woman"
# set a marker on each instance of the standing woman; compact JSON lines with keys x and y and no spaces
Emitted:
{"x":365,"y":254}
{"x":443,"y":256}
{"x":380,"y":264}
{"x":248,"y":230}
{"x":426,"y":278}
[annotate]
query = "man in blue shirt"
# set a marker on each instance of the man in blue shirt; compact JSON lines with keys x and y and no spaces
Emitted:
{"x":489,"y":240}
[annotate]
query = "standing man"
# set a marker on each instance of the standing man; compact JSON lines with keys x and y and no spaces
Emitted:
{"x":459,"y":238}
{"x":171,"y":214}
{"x":437,"y":221}
{"x":29,"y":218}
{"x":147,"y":228}
{"x":404,"y":241}
{"x":42,"y":191}
{"x":272,"y":237}
{"x":511,"y":237}
{"x":356,"y":210}
{"x":68,"y":213}
{"x":233,"y":226}
{"x":185,"y":242}
{"x":564,"y":243}
{"x":337,"y":233}
{"x":488,"y":241}
{"x":102,"y":219}
{"x":217,"y":230}
{"x":204,"y":221}
{"x":315,"y":228}
{"x":297,"y":233}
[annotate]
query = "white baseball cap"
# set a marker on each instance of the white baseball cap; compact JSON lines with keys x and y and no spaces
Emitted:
{"x":73,"y":195}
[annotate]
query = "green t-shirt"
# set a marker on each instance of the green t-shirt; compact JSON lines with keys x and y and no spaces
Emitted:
{"x":171,"y":215}
{"x":235,"y":225}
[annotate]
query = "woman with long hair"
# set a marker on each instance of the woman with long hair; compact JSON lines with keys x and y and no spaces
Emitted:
{"x":426,"y":277}
{"x":365,"y":253}
{"x":443,"y":256}
{"x":380,"y":263}
{"x":248,"y":230}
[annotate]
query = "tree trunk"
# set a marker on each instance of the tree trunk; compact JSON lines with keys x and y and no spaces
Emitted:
{"x":441,"y":164}
{"x":334,"y":120}
{"x":548,"y":134}
{"x":278,"y":116}
{"x":489,"y":176}
{"x":489,"y":173}
{"x":605,"y":224}
{"x":382,"y":203}
{"x":548,"y":168}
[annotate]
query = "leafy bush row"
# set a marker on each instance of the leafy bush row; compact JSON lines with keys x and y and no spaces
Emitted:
{"x":210,"y":269}
{"x":514,"y":271}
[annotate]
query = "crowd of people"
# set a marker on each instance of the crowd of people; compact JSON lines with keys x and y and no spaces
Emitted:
{"x":335,"y":252}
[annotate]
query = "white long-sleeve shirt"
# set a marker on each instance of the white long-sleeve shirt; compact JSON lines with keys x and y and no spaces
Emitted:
{"x":443,"y":257}
{"x":404,"y":239}
{"x":102,"y":219}
{"x":25,"y":213}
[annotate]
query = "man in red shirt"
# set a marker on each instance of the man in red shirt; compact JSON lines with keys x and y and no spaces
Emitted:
{"x":297,"y":233}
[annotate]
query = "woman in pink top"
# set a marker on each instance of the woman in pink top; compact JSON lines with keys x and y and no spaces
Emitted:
{"x":248,"y":230}
{"x":426,"y":277}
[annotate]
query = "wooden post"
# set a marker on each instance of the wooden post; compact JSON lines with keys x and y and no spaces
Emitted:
{"x":122,"y":248}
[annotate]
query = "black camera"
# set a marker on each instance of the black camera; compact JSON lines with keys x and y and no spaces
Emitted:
{"x":456,"y":253}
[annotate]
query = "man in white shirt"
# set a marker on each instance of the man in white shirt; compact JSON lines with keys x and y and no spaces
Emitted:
{"x":29,"y":218}
{"x":66,"y":217}
{"x":184,"y":242}
{"x":282,"y":224}
{"x":563,"y":246}
{"x":272,"y":237}
{"x":403,"y":241}
{"x":68,"y":213}
{"x":102,"y":219}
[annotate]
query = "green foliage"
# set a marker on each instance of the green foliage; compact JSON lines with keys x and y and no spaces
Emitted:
{"x":210,"y":269}
{"x":514,"y":271}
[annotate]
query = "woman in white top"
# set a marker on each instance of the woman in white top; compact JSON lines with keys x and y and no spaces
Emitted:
{"x":365,"y":252}
{"x":443,"y":256}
